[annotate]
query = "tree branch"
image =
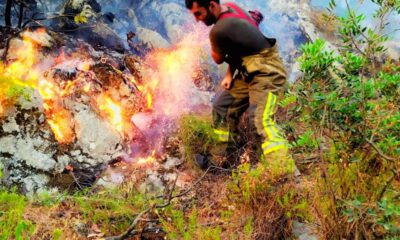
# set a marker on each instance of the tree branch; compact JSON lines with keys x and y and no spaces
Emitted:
{"x":379,"y":151}
{"x":131,"y":230}
{"x":7,"y":13}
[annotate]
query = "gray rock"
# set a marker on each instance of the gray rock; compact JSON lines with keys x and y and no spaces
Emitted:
{"x":172,"y":162}
{"x":303,"y":231}
{"x":62,"y":162}
{"x":34,"y":182}
{"x":96,"y":137}
{"x":10,"y":126}
{"x":153,"y":183}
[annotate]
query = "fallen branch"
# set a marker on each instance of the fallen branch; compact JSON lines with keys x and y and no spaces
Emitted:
{"x":131,"y":230}
{"x":131,"y":227}
{"x":380,"y":152}
{"x":76,"y":181}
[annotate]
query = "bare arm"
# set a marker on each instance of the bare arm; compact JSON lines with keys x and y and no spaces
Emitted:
{"x":227,"y":81}
{"x":218,"y":58}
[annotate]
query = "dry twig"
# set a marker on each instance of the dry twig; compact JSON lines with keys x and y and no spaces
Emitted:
{"x":131,"y":230}
{"x":380,"y":152}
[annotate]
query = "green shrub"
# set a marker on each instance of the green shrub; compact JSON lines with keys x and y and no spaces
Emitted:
{"x":197,"y":135}
{"x":12,"y":224}
{"x":349,"y":101}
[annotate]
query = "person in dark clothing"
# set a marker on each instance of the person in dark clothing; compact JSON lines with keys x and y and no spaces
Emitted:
{"x":255,"y":77}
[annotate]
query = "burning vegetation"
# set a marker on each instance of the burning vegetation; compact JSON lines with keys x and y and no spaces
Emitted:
{"x":68,"y":83}
{"x":96,"y":139}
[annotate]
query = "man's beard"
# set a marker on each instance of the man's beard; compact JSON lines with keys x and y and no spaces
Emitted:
{"x":210,"y":18}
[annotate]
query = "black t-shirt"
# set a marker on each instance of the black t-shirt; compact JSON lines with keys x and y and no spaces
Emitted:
{"x":236,"y":38}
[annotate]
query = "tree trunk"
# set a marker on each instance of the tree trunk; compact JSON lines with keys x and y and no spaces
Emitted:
{"x":7,"y":13}
{"x":21,"y":14}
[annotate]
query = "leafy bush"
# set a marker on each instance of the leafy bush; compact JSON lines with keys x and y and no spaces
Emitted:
{"x":349,"y":100}
{"x":12,"y":224}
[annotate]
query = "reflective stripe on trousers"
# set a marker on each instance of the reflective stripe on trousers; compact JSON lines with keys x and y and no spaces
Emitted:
{"x":221,"y":135}
{"x":274,"y":140}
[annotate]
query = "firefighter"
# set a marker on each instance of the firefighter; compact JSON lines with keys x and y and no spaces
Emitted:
{"x":255,"y":76}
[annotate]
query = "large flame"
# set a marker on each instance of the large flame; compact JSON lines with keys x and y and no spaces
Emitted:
{"x":21,"y":71}
{"x":112,"y":110}
{"x":59,"y":119}
{"x":24,"y":71}
{"x":170,"y":82}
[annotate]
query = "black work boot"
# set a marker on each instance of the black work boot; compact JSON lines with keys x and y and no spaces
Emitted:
{"x":202,"y":161}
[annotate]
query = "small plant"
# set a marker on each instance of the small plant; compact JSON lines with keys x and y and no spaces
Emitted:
{"x":57,"y":233}
{"x":197,"y":135}
{"x":307,"y":141}
{"x":12,"y":224}
{"x":112,"y":211}
{"x":179,"y":226}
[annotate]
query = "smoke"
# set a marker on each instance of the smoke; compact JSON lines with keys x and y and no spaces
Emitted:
{"x":169,"y":77}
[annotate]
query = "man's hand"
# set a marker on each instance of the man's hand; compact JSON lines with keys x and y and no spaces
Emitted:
{"x":227,"y":82}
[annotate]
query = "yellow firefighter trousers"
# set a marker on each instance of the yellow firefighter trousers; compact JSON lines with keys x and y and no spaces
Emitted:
{"x":255,"y":87}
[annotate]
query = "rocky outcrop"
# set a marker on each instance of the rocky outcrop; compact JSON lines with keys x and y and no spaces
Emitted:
{"x":32,"y":157}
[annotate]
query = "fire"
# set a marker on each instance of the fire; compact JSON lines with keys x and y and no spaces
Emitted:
{"x":25,"y":72}
{"x":1,"y":110}
{"x":149,"y":101}
{"x":61,"y":126}
{"x":47,"y":89}
{"x":170,"y":81}
{"x":59,"y":119}
{"x":147,"y":89}
{"x":147,"y":160}
{"x":21,"y":71}
{"x":87,"y":87}
{"x":112,"y":110}
{"x":84,"y":66}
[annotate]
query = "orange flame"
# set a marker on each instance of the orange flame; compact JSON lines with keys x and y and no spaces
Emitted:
{"x":149,"y":101}
{"x":61,"y":125}
{"x":113,"y":112}
{"x":24,"y":72}
{"x":147,"y":160}
{"x":1,"y":110}
{"x":171,"y":80}
{"x":59,"y":119}
{"x":146,"y":89}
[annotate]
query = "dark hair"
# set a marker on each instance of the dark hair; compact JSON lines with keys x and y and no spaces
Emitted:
{"x":202,"y":3}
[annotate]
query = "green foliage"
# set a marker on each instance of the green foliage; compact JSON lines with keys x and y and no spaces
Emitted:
{"x":389,"y":212}
{"x":307,"y":140}
{"x":315,"y":62}
{"x":350,"y":100}
{"x":112,"y":210}
{"x":289,"y":99}
{"x":12,"y":224}
{"x":197,"y":135}
{"x":48,"y":198}
{"x":179,"y":226}
{"x":57,"y":233}
{"x":12,"y":87}
{"x":248,"y":228}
